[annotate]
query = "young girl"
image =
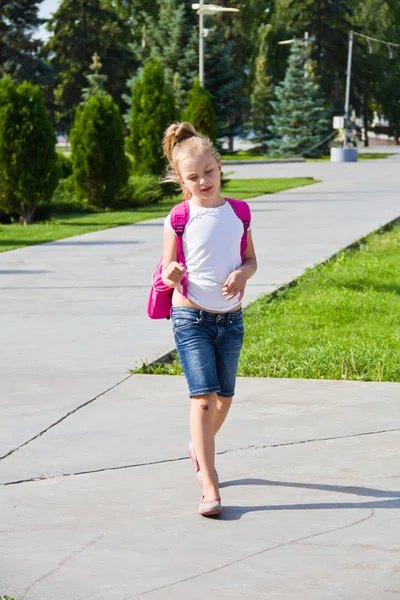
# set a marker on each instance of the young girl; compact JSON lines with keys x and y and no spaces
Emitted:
{"x":208,"y":323}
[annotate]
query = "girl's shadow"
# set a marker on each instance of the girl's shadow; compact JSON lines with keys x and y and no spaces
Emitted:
{"x":387,"y":499}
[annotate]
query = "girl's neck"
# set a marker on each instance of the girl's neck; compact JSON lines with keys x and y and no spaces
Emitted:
{"x":209,"y":203}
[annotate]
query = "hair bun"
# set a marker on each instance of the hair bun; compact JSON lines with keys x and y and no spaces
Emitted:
{"x":175,"y":134}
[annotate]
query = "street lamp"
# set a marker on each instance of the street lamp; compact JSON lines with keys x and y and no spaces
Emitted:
{"x":302,"y":42}
{"x":202,"y":10}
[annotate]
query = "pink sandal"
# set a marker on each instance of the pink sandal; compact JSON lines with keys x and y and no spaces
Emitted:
{"x":212,"y":507}
{"x":193,"y":457}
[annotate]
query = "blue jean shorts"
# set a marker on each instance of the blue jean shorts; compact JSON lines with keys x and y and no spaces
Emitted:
{"x":208,"y":346}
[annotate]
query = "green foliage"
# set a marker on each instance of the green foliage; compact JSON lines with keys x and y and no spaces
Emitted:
{"x":19,"y":50}
{"x":200,"y":112}
{"x":64,"y":164}
{"x":100,"y":167}
{"x":259,"y":121}
{"x":153,"y":110}
{"x":142,"y":190}
{"x":28,"y":160}
{"x":300,"y":118}
{"x":96,"y":81}
{"x":79,"y":28}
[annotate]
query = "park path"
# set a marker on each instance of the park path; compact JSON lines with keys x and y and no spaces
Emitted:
{"x":98,"y":500}
{"x":72,"y":312}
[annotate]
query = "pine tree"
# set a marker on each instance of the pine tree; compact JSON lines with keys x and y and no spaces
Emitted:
{"x":100,"y":167}
{"x":153,"y":110}
{"x":80,"y":28}
{"x":200,"y":111}
{"x":19,"y":51}
{"x":260,"y":100}
{"x":300,"y":118}
{"x":96,"y":81}
{"x":28,"y":173}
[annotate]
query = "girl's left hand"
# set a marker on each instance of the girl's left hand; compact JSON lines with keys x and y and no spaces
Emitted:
{"x":234,"y":285}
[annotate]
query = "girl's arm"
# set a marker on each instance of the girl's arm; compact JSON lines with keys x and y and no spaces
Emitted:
{"x":172,"y":271}
{"x":237,"y":280}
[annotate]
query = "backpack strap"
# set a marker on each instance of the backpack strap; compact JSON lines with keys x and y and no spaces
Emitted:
{"x":179,"y":220}
{"x":242,"y":211}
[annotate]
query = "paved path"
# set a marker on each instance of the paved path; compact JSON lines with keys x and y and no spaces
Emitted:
{"x":72,"y":322}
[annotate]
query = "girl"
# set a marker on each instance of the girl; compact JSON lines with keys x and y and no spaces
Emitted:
{"x":208,"y":323}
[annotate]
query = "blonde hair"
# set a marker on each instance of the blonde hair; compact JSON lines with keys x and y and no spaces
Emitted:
{"x":180,"y":140}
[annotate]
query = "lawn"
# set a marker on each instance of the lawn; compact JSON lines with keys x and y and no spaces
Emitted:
{"x":247,"y":155}
{"x":341,"y":320}
{"x":62,"y":226}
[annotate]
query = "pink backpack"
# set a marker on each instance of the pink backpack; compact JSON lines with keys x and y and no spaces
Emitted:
{"x":159,"y":302}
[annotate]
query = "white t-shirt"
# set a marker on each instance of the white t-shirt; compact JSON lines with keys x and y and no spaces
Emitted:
{"x":211,"y":245}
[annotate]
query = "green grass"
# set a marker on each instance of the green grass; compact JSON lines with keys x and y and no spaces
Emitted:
{"x":341,"y":320}
{"x":61,"y":226}
{"x":246,"y":155}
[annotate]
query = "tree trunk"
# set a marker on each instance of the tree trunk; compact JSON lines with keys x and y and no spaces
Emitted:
{"x":230,"y":143}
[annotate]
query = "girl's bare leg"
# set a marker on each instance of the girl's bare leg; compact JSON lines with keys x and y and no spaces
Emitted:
{"x":222,"y":409}
{"x":202,"y":416}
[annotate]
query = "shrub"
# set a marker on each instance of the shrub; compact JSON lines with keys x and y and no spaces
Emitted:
{"x":142,"y":190}
{"x":200,"y":111}
{"x":100,"y":167}
{"x":153,"y":109}
{"x":64,"y":164}
{"x":28,"y":160}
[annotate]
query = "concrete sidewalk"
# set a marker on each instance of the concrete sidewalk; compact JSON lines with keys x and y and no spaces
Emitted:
{"x":309,"y":484}
{"x":96,"y":499}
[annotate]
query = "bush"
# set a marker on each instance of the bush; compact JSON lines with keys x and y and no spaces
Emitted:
{"x":64,"y":164}
{"x":142,"y":190}
{"x":153,"y":109}
{"x":200,"y":111}
{"x":100,"y":167}
{"x":28,"y":159}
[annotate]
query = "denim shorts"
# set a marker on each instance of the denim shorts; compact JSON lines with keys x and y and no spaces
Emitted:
{"x":208,"y":346}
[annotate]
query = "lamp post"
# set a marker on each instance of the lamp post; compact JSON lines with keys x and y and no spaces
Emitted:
{"x":302,"y":42}
{"x":203,"y":10}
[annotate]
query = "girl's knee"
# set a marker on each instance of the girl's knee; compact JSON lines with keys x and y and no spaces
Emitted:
{"x":205,"y":402}
{"x":223,"y":404}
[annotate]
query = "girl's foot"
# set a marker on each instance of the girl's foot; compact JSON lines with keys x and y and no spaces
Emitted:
{"x":192,"y":456}
{"x":210,"y":508}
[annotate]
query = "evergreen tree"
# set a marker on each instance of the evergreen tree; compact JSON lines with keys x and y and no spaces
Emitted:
{"x":153,"y":110}
{"x":100,"y":167}
{"x":171,"y":39}
{"x":261,"y":110}
{"x":19,"y":51}
{"x":300,"y":118}
{"x":329,"y":22}
{"x":200,"y":111}
{"x":96,"y":81}
{"x":28,"y":174}
{"x":225,"y":83}
{"x":79,"y":28}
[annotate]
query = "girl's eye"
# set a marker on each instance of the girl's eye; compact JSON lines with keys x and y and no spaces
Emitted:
{"x":210,"y":171}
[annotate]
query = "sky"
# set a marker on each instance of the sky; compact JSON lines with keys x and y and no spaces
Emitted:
{"x":45,"y":9}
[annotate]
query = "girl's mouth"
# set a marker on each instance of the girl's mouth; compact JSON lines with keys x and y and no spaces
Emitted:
{"x":207,"y":189}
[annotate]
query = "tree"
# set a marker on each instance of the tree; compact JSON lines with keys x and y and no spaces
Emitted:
{"x":19,"y":51}
{"x":260,"y":115}
{"x":300,"y":118}
{"x":96,"y":81}
{"x":329,"y":22}
{"x":79,"y":28}
{"x":28,"y":175}
{"x":200,"y":112}
{"x":100,"y":168}
{"x":153,"y":110}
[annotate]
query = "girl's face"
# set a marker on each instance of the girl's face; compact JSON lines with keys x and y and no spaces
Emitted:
{"x":201,"y":175}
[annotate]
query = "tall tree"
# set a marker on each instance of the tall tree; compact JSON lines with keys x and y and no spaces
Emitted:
{"x":153,"y":110}
{"x":96,"y":81}
{"x":259,"y":121}
{"x":300,"y":118}
{"x":200,"y":112}
{"x":19,"y":50}
{"x":28,"y":174}
{"x":79,"y":28}
{"x":329,"y":22}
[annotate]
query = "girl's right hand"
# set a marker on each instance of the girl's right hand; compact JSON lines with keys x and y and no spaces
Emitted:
{"x":174,"y":272}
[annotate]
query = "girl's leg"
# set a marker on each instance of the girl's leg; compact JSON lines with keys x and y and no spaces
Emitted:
{"x":222,"y":409}
{"x":202,"y":416}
